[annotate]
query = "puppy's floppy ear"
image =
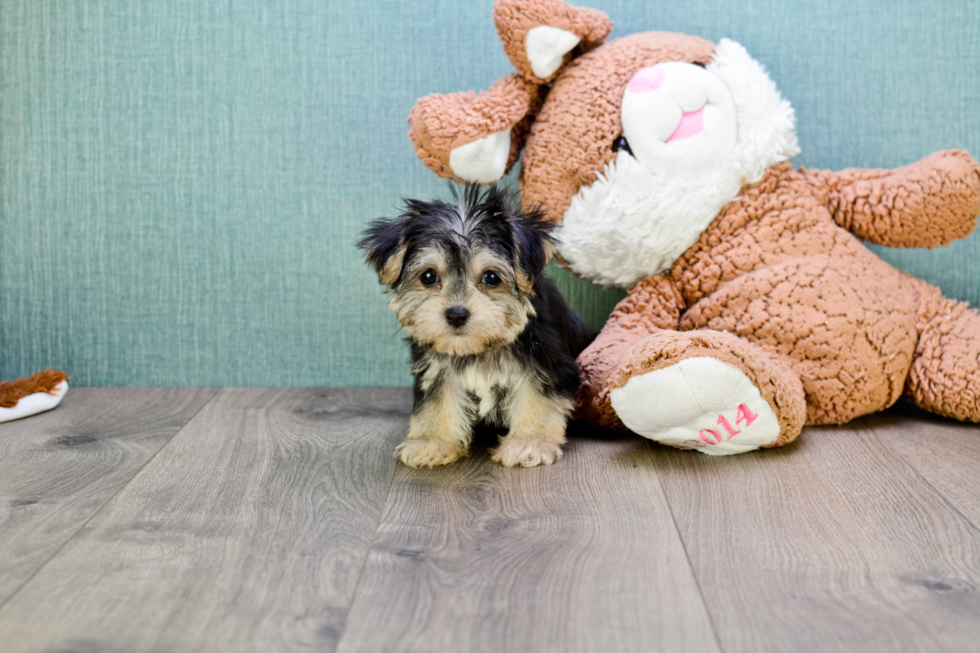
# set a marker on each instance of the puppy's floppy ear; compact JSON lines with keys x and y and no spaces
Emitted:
{"x":533,"y":242}
{"x":384,"y":246}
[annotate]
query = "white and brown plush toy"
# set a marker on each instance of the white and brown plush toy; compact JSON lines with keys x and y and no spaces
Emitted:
{"x":36,"y":394}
{"x":753,"y":306}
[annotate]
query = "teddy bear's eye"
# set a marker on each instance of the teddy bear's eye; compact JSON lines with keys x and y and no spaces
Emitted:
{"x":621,"y":144}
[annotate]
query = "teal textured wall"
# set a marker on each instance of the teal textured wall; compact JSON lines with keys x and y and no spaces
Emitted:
{"x":182,"y":181}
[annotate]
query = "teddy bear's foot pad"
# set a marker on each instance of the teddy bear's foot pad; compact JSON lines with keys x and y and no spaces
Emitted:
{"x":699,"y":403}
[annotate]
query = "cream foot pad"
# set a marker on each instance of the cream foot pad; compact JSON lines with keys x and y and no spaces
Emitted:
{"x":700,"y":403}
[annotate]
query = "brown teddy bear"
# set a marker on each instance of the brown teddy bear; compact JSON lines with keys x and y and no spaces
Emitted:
{"x":753,"y":308}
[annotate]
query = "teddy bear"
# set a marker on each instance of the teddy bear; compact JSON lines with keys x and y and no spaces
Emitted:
{"x":753,"y":306}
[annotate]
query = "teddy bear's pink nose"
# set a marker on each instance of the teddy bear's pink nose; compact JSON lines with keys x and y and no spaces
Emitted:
{"x":648,"y":79}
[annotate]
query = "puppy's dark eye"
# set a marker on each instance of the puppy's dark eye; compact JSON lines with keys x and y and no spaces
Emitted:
{"x":622,"y":144}
{"x":490,"y":278}
{"x":429,"y":277}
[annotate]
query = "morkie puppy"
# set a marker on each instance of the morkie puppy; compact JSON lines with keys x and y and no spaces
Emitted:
{"x":492,"y":339}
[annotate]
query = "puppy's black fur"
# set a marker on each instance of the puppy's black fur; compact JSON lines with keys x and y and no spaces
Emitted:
{"x":553,"y":340}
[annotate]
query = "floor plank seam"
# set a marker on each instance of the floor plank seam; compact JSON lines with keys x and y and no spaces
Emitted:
{"x":687,"y":557}
{"x":929,"y":484}
{"x":107,"y":502}
{"x":367,"y":553}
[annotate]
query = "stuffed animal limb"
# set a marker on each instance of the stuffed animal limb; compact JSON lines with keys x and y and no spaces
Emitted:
{"x":472,"y":137}
{"x":927,"y":204}
{"x":30,"y":396}
{"x":945,"y":374}
{"x":641,"y":354}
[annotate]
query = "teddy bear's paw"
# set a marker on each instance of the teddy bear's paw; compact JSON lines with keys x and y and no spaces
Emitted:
{"x":698,"y":403}
{"x":526,"y":452}
{"x":426,"y":452}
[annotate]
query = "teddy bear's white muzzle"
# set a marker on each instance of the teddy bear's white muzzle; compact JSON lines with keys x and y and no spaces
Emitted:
{"x":679,"y":118}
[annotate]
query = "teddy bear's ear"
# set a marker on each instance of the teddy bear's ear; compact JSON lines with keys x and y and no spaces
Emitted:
{"x":541,"y":36}
{"x":474,"y":137}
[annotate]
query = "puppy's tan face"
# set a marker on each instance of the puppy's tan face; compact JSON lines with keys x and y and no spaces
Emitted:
{"x":460,"y":304}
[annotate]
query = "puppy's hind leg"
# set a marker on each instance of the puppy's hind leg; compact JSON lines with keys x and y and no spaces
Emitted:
{"x":439,"y":430}
{"x":537,"y":428}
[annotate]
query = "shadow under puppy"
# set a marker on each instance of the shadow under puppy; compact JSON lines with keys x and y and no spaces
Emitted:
{"x":491,"y":337}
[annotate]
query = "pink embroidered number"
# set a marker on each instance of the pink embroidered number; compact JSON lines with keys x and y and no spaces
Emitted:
{"x":710,"y":436}
{"x":728,"y":427}
{"x":745,"y":414}
{"x":743,"y":417}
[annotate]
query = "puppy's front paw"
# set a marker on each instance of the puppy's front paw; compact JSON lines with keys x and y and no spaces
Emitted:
{"x":526,"y":452}
{"x":425,"y":452}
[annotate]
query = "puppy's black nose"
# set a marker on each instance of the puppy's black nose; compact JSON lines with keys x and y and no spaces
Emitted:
{"x":457,"y":316}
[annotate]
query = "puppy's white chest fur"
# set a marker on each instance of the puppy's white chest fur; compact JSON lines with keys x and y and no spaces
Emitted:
{"x":489,"y":380}
{"x":488,"y":383}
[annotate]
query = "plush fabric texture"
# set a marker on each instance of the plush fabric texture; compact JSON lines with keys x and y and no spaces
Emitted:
{"x":775,"y":270}
{"x":441,"y":123}
{"x":774,"y":380}
{"x":640,"y":196}
{"x":945,"y":374}
{"x":652,"y":305}
{"x":547,"y":48}
{"x":571,"y":139}
{"x":927,"y":204}
{"x":777,"y":286}
{"x":703,"y":403}
{"x":13,"y":391}
{"x":514,"y":18}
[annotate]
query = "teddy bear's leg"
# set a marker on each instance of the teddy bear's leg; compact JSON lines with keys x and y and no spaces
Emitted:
{"x":945,"y":373}
{"x":652,"y":305}
{"x":707,"y":390}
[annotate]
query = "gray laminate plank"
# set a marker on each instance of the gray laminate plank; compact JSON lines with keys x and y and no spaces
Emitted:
{"x":59,"y":468}
{"x":833,"y":543}
{"x":943,"y":452}
{"x":579,"y":556}
{"x":246,"y":533}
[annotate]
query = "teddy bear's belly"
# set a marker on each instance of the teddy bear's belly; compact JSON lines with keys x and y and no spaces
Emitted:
{"x":845,"y":325}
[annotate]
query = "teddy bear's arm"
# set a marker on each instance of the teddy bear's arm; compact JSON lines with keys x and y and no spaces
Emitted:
{"x":654,"y":304}
{"x":474,"y":137}
{"x":927,"y":204}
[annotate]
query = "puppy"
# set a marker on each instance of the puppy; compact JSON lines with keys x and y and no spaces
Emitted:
{"x":491,"y":338}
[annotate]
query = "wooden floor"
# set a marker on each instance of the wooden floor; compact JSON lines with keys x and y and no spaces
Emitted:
{"x":180,"y":520}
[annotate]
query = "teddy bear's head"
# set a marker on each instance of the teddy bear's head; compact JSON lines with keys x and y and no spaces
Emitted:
{"x":635,"y":145}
